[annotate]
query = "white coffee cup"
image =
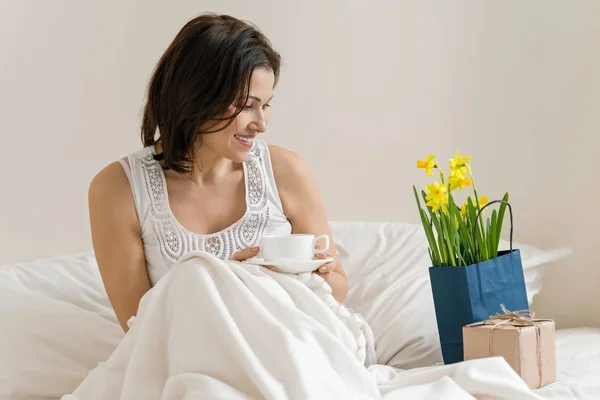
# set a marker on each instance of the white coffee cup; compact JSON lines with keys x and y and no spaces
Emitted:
{"x":297,"y":247}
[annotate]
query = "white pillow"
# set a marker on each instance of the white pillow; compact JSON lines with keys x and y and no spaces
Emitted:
{"x":56,"y":324}
{"x":72,"y":278}
{"x":387,"y":266}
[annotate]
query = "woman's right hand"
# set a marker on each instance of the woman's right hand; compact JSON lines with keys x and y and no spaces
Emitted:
{"x":245,"y":254}
{"x":249,"y":253}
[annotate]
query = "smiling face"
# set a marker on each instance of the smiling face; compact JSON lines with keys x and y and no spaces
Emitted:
{"x":235,"y":141}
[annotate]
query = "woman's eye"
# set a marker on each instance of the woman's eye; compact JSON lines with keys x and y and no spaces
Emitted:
{"x":250,"y":107}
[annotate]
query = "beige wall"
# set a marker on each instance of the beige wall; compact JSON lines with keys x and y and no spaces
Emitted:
{"x":367,"y":87}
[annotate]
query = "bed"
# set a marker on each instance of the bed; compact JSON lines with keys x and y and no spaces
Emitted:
{"x":57,"y":323}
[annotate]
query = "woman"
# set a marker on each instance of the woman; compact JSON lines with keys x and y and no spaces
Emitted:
{"x":203,"y":181}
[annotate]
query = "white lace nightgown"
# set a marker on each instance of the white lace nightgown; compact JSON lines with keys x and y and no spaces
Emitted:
{"x":166,"y":240}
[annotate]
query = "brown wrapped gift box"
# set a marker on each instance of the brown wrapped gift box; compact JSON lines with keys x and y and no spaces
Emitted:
{"x":528,"y":345}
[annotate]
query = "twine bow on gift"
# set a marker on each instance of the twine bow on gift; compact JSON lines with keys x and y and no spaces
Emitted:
{"x":515,"y":318}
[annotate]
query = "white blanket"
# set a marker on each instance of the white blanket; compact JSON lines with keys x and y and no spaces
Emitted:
{"x":216,"y":330}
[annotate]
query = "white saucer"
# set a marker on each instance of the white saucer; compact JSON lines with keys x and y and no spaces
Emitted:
{"x":291,"y":266}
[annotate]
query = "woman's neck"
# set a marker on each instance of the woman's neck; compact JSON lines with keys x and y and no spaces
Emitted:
{"x":210,"y":167}
{"x":206,"y":166}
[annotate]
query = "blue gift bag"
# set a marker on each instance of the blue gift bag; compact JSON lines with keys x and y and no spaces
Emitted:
{"x":463,"y":295}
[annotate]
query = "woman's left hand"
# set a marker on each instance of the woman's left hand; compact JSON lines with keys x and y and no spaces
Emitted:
{"x":326,"y":269}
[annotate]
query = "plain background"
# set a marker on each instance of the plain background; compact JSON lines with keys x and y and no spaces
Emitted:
{"x":367,"y":88}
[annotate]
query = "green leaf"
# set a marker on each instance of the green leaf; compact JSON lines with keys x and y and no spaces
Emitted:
{"x":448,"y":239}
{"x":440,"y":239}
{"x":455,"y":237}
{"x":480,"y":221}
{"x":488,"y":237}
{"x":483,"y":250}
{"x":464,"y":237}
{"x":461,"y":260}
{"x":500,"y":224}
{"x":467,"y":234}
{"x":434,"y":252}
{"x":492,"y":233}
{"x":444,"y":246}
{"x":435,"y":260}
{"x":481,"y":254}
{"x":441,"y":242}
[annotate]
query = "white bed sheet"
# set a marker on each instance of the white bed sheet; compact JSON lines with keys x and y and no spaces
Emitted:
{"x":300,"y":344}
{"x":578,"y":366}
{"x":71,"y":287}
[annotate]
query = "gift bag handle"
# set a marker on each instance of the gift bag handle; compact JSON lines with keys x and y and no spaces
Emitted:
{"x":477,"y":219}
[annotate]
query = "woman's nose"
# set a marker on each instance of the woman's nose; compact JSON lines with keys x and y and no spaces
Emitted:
{"x":259,"y":123}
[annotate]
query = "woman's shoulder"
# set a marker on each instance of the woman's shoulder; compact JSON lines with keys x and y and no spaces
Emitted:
{"x":285,"y":161}
{"x":289,"y":168}
{"x":110,"y":185}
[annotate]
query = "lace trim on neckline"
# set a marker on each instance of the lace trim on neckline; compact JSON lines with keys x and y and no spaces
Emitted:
{"x":174,"y":240}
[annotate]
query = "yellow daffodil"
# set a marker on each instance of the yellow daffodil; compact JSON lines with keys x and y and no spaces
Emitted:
{"x":458,"y":180}
{"x":428,"y":164}
{"x":463,"y":209}
{"x":459,"y":163}
{"x":482,"y":201}
{"x":437,"y":197}
{"x":459,"y":171}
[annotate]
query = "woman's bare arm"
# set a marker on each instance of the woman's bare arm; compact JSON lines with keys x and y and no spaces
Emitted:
{"x":304,"y":208}
{"x":117,"y":241}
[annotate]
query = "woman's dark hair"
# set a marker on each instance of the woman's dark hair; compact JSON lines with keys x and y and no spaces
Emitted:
{"x":205,"y":70}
